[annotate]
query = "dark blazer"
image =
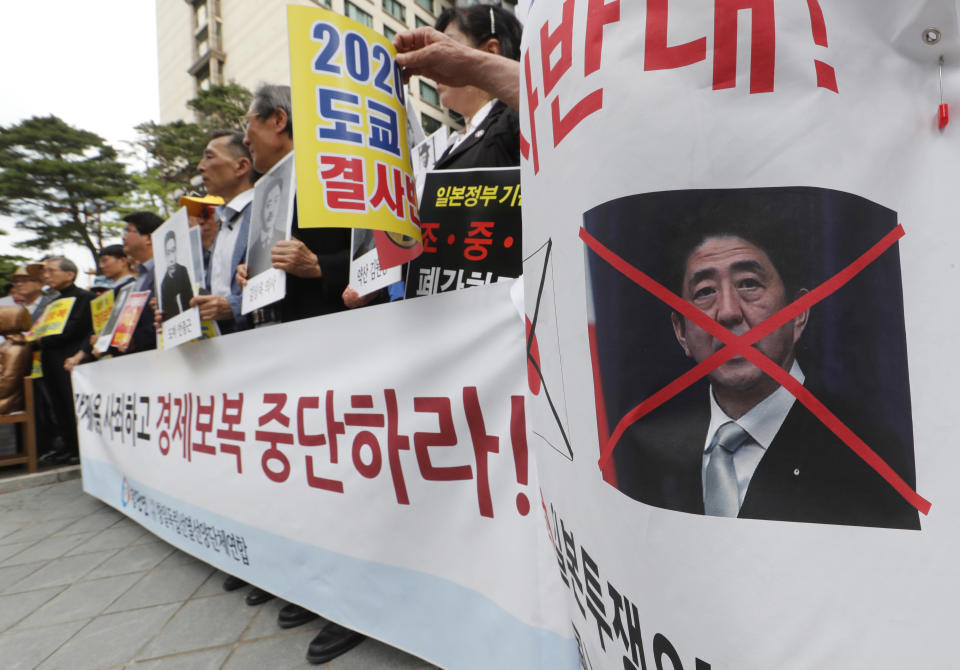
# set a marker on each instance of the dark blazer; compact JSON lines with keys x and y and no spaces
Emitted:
{"x":175,"y":291}
{"x":76,"y":330}
{"x":495,"y":143}
{"x":807,"y":474}
{"x":313,"y":297}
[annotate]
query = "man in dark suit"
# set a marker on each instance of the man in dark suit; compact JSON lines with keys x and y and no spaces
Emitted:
{"x":741,"y":445}
{"x":138,"y":245}
{"x":60,"y":273}
{"x":316,"y":262}
{"x":175,"y":288}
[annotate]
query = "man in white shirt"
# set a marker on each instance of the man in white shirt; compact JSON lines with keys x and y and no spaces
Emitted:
{"x":227,"y":171}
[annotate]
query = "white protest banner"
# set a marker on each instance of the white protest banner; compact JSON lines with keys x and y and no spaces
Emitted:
{"x":392,"y":494}
{"x":739,"y":254}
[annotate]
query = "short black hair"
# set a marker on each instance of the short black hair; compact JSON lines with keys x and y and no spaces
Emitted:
{"x":171,"y":235}
{"x":114,"y":250}
{"x":745,"y":215}
{"x":483,"y":22}
{"x":237,"y":148}
{"x":144,"y":222}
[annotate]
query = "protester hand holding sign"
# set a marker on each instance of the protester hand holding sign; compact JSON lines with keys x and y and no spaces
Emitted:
{"x":429,"y":53}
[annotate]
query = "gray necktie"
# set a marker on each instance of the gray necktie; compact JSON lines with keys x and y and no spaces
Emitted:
{"x":720,"y":495}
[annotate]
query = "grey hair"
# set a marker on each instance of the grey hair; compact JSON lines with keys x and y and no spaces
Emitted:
{"x":268,"y":98}
{"x":65,"y":264}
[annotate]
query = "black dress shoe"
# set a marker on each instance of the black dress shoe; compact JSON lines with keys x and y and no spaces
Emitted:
{"x":332,"y":641}
{"x":292,"y":616}
{"x":232,"y":583}
{"x":257,"y":597}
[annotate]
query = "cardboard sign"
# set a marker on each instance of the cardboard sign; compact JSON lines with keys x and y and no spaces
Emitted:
{"x":471,"y":230}
{"x":349,"y":118}
{"x":100,"y":309}
{"x":270,"y":221}
{"x":127,"y":321}
{"x":53,"y":320}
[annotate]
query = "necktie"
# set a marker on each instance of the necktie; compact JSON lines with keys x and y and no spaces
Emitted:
{"x":720,"y":495}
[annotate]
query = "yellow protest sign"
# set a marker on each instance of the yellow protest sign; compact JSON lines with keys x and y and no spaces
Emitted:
{"x":352,"y":157}
{"x":54,"y":319}
{"x":100,"y":309}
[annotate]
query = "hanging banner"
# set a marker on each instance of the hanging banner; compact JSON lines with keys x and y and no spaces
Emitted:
{"x":353,"y":158}
{"x":737,"y":393}
{"x":397,"y":503}
{"x":471,"y":230}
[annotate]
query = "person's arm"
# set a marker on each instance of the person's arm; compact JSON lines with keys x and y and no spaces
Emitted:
{"x":429,"y":53}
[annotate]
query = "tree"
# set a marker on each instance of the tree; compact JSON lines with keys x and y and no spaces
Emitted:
{"x":62,"y":182}
{"x":8,"y":264}
{"x":171,"y":151}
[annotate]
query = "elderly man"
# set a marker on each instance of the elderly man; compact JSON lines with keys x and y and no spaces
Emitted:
{"x":60,"y":274}
{"x":227,"y":171}
{"x":741,"y":445}
{"x":316,"y":261}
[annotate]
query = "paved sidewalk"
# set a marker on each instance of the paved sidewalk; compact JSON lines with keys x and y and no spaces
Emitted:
{"x":83,"y":587}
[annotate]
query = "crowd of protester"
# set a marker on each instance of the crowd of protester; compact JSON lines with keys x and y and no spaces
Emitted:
{"x":315,"y":260}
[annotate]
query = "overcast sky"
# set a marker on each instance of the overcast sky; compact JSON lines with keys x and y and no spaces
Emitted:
{"x":92,"y":63}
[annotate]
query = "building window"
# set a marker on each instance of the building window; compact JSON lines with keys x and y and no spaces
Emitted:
{"x":200,"y":15}
{"x":203,"y":78}
{"x":420,"y":22}
{"x":388,"y":32}
{"x":357,"y":14}
{"x":395,"y":9}
{"x":430,"y":124}
{"x":426,"y":4}
{"x":429,"y":94}
{"x":324,"y":3}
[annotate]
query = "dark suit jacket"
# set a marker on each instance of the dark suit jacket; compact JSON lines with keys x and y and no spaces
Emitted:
{"x":495,"y":143}
{"x":175,"y":291}
{"x":76,"y":331}
{"x":313,"y":297}
{"x":807,"y":474}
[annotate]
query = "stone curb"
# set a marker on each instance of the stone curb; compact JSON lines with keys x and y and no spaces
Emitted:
{"x":39,"y":479}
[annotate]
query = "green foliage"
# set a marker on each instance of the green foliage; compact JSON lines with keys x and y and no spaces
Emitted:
{"x":61,"y":182}
{"x":172,"y":150}
{"x":9,"y":263}
{"x":222,"y":106}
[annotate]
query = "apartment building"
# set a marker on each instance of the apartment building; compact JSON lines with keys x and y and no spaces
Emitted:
{"x":204,"y":42}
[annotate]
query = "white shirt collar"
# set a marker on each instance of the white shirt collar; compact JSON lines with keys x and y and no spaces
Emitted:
{"x":763,"y":421}
{"x":474,"y":123}
{"x":229,"y":211}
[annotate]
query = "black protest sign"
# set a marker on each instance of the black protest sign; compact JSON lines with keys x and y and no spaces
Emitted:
{"x":470,"y":222}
